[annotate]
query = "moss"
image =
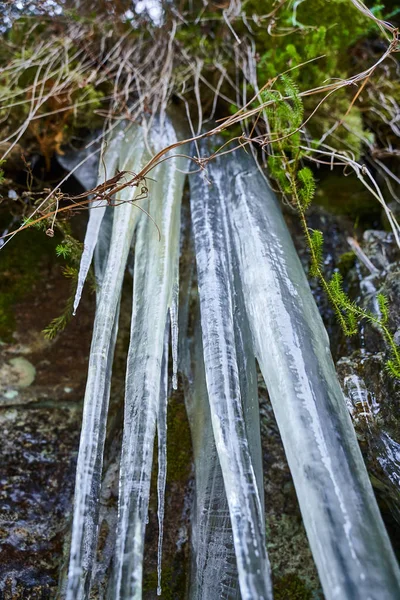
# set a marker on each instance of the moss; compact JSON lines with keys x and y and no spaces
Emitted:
{"x":304,"y":31}
{"x":20,"y":263}
{"x":173,"y":585}
{"x":348,"y":197}
{"x":291,"y":587}
{"x":179,"y":444}
{"x":346,"y":262}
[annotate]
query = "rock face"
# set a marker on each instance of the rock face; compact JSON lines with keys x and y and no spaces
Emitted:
{"x":41,"y":386}
{"x":373,"y":394}
{"x":37,"y":475}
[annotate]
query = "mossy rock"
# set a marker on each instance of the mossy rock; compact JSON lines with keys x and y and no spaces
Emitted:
{"x":347,"y":197}
{"x":179,"y":443}
{"x":291,"y":587}
{"x":20,"y":267}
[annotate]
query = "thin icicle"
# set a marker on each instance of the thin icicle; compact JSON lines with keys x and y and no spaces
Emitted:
{"x":156,"y":264}
{"x":173,"y":311}
{"x":102,"y":247}
{"x":162,"y":453}
{"x":223,"y":352}
{"x":214,"y":571}
{"x":349,"y":542}
{"x":90,"y":458}
{"x":107,"y":166}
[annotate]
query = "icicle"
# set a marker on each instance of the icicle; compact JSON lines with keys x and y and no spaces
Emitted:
{"x":156,"y":264}
{"x":84,"y":163}
{"x":162,"y":453}
{"x":102,"y":247}
{"x":214,"y":572}
{"x":345,"y":529}
{"x":223,"y":352}
{"x":90,"y":458}
{"x":173,"y":311}
{"x":97,"y":210}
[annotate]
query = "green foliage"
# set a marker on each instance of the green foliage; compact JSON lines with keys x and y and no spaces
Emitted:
{"x":316,"y":247}
{"x":20,"y":266}
{"x":297,"y":182}
{"x":383,"y":307}
{"x":302,"y":31}
{"x":70,"y":250}
{"x":307,"y":189}
{"x":58,"y":324}
{"x":292,"y":91}
{"x":343,"y":306}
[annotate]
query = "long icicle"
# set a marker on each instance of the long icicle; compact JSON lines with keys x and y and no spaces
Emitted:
{"x":155,"y":273}
{"x":90,"y":458}
{"x":223,"y":352}
{"x":107,"y":165}
{"x":348,"y":539}
{"x":214,"y":571}
{"x":162,"y":453}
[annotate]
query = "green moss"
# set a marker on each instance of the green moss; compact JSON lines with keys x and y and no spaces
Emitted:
{"x":316,"y":29}
{"x":290,"y":554}
{"x":20,"y":263}
{"x":173,"y":585}
{"x":179,"y":444}
{"x":346,"y":262}
{"x":347,"y":197}
{"x":291,"y":587}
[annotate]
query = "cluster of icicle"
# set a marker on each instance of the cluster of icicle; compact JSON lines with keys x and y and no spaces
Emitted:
{"x":254,"y":303}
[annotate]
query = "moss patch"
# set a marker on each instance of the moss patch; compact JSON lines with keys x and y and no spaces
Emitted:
{"x":347,"y":197}
{"x":179,"y":443}
{"x":21,"y":262}
{"x":291,"y":587}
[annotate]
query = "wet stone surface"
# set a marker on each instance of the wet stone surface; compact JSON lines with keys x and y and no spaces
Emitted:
{"x":372,"y":394}
{"x":41,"y":390}
{"x":37,"y":478}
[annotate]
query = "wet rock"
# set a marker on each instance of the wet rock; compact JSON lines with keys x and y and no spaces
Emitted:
{"x":372,"y":393}
{"x":41,"y":391}
{"x":15,"y":374}
{"x":37,"y":459}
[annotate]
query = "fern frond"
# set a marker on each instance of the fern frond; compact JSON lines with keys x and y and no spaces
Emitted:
{"x":336,"y":289}
{"x":293,"y":92}
{"x":383,"y":307}
{"x":393,"y":368}
{"x":307,"y":189}
{"x":316,"y":243}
